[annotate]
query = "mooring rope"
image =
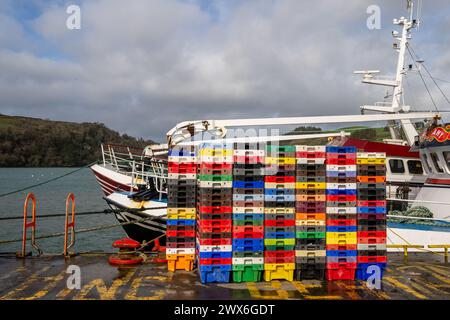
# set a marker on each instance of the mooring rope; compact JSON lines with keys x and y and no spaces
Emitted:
{"x":52,"y":215}
{"x":103,"y":227}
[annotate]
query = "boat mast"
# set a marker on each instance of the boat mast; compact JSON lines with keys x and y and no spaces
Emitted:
{"x":397,"y":104}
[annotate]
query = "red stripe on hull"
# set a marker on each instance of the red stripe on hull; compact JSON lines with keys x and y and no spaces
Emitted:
{"x":107,"y":189}
{"x":438,"y":181}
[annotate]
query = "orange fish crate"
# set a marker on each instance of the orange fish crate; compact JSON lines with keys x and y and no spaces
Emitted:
{"x":371,"y":179}
{"x":180,"y":262}
{"x":310,"y":216}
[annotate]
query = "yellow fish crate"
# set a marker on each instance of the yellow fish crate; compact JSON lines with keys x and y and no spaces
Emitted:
{"x":341,"y":237}
{"x":310,"y":185}
{"x":372,"y":161}
{"x":279,"y":161}
{"x":210,"y":152}
{"x":181,"y":213}
{"x":280,"y":271}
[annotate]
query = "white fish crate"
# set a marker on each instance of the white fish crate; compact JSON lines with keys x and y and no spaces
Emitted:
{"x":371,"y":155}
{"x":341,"y":210}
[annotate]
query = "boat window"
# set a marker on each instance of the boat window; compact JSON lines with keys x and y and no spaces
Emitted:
{"x":428,"y":166}
{"x":415,"y":166}
{"x":397,"y":166}
{"x":436,"y":163}
{"x":447,"y":158}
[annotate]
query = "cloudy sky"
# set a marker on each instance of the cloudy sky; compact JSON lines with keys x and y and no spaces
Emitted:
{"x":141,"y":66}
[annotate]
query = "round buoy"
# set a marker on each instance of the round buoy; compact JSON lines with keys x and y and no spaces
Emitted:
{"x":127,"y":254}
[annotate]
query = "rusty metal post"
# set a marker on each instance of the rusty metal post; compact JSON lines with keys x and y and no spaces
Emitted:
{"x":69,"y":200}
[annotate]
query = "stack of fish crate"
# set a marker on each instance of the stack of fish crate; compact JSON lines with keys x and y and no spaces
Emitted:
{"x":341,"y":213}
{"x":181,"y":208}
{"x":310,"y":248}
{"x":279,"y":213}
{"x":214,"y":213}
{"x":248,"y":209}
{"x":371,"y":214}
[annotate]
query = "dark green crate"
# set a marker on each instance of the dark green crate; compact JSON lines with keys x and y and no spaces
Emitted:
{"x":310,"y":235}
{"x":247,"y":272}
{"x":241,"y":223}
{"x":216,"y":178}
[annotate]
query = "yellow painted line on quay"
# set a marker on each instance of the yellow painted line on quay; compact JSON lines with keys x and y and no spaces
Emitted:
{"x":13,"y":294}
{"x":404,"y":287}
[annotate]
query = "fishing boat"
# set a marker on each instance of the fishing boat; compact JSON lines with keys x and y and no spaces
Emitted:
{"x":134,"y":180}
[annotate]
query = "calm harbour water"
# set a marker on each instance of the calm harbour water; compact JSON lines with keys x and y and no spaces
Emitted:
{"x":51,"y":199}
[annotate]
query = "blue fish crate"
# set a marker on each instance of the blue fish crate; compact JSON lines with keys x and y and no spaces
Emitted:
{"x":279,"y":235}
{"x":279,"y":192}
{"x":216,"y":255}
{"x":180,"y":222}
{"x":279,"y":198}
{"x":364,"y":270}
{"x":372,"y":210}
{"x":248,"y":197}
{"x":342,"y":253}
{"x":333,"y":149}
{"x":241,"y":245}
{"x":342,"y":228}
{"x":215,"y":273}
{"x":248,"y":216}
{"x":181,"y":153}
{"x":341,"y":174}
{"x":248,"y":185}
{"x":338,"y":192}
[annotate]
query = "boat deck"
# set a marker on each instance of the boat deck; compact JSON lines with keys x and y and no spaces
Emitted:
{"x":425,"y":276}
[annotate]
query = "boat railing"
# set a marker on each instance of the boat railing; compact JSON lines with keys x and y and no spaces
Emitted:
{"x":133,"y":162}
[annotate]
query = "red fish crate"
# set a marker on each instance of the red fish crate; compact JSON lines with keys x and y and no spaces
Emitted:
{"x":310,"y":154}
{"x":371,"y":179}
{"x":279,"y":254}
{"x":278,"y":179}
{"x":341,"y":198}
{"x":211,"y":229}
{"x":372,"y":234}
{"x":371,"y":217}
{"x":182,"y":167}
{"x":248,"y":235}
{"x":215,"y":209}
{"x":280,"y":259}
{"x":215,"y":166}
{"x":372,"y":240}
{"x":215,"y":242}
{"x":341,"y":162}
{"x":335,"y":155}
{"x":340,"y":274}
{"x":372,"y":259}
{"x":180,"y":233}
{"x":219,"y":223}
{"x":341,"y":222}
{"x":248,"y":159}
{"x":214,"y":261}
{"x":341,"y":265}
{"x":374,"y":203}
{"x":336,"y":247}
{"x":240,"y":229}
{"x":279,"y":223}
